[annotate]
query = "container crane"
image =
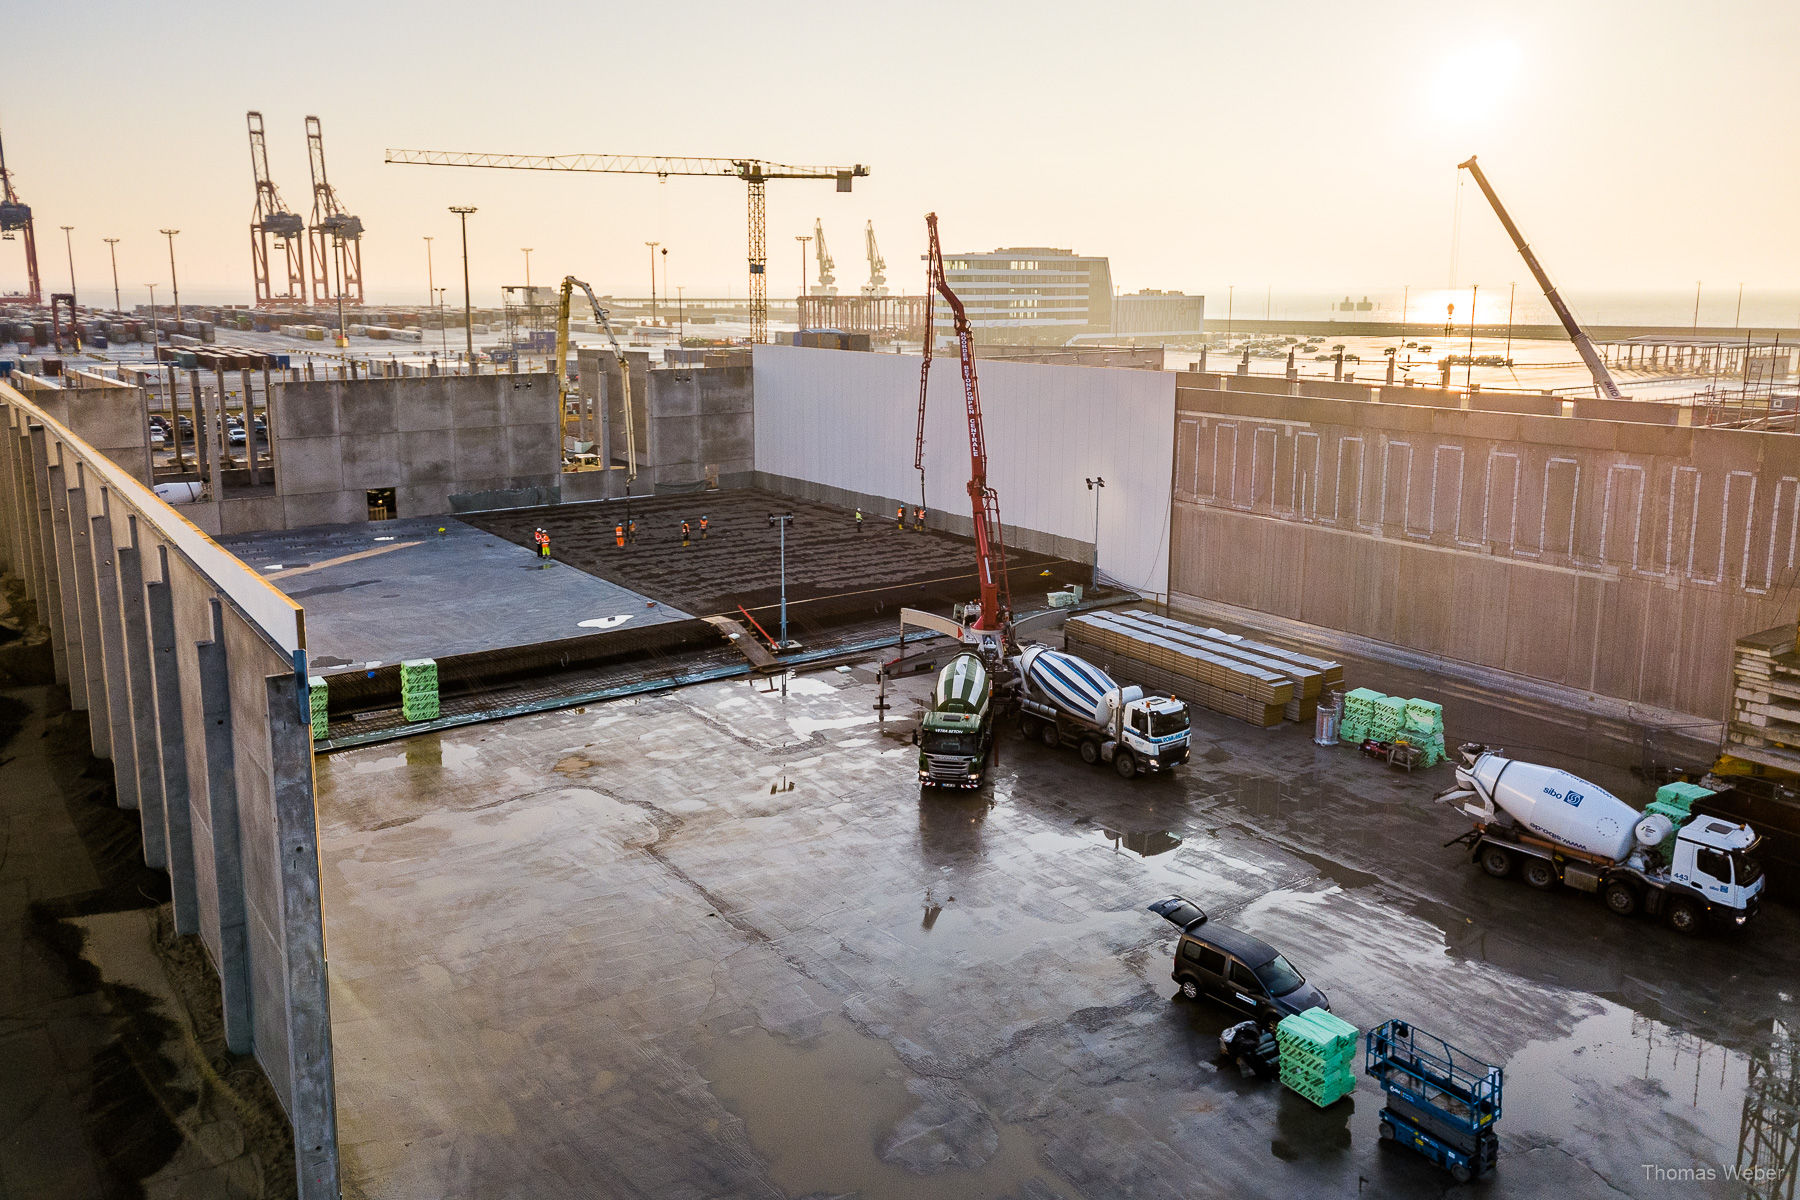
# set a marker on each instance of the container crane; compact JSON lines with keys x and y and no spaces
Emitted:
{"x":561,"y":371}
{"x":755,"y":173}
{"x":15,"y":218}
{"x":991,"y":625}
{"x":827,"y":265}
{"x":1603,"y":380}
{"x":331,"y":224}
{"x":272,"y":219}
{"x":877,"y":264}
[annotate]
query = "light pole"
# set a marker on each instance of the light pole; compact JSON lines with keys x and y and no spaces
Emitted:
{"x":680,"y":317}
{"x":443,"y":333}
{"x":1697,"y":303}
{"x":155,"y":330}
{"x":337,"y":243}
{"x":463,"y":211}
{"x":782,"y":522}
{"x":1094,"y":486}
{"x":800,"y":304}
{"x":430,"y":282}
{"x":527,"y":250}
{"x":665,"y":258}
{"x":68,"y":242}
{"x":174,"y":286}
{"x":113,"y":245}
{"x":1230,"y":300}
{"x":653,"y":246}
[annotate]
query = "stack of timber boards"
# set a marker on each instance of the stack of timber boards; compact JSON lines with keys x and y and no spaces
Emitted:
{"x":1766,"y":692}
{"x":1162,"y":659}
{"x":1236,"y":675}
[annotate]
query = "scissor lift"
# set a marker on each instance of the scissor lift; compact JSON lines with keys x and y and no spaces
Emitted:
{"x":1441,"y":1101}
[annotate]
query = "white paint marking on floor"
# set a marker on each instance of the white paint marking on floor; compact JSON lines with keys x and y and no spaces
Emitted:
{"x":604,"y":622}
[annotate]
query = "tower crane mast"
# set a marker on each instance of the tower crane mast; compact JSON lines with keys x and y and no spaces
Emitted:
{"x":1603,"y":380}
{"x":755,"y":173}
{"x":990,"y":549}
{"x":15,"y":218}
{"x":272,"y":219}
{"x":331,"y":225}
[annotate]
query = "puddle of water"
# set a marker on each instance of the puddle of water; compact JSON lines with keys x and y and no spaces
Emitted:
{"x":840,"y":1114}
{"x":1144,"y":845}
{"x":807,"y":685}
{"x":807,"y":726}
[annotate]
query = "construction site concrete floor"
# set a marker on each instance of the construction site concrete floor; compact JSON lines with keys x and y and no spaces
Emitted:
{"x":715,"y":942}
{"x":834,"y":572}
{"x":393,"y":590}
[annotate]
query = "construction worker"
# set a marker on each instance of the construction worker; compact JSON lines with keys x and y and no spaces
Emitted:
{"x":703,"y":527}
{"x":900,"y":518}
{"x":542,"y":537}
{"x":619,"y":535}
{"x":919,"y":519}
{"x":631,"y":531}
{"x":684,"y":532}
{"x":859,"y":520}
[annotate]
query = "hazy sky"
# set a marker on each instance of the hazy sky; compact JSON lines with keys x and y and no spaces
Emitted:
{"x":1642,"y":144}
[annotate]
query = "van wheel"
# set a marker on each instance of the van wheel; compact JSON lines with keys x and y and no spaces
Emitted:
{"x":1496,"y":861}
{"x":1683,"y":916}
{"x":1190,"y":990}
{"x":1539,"y":874}
{"x":1047,"y":734}
{"x":1125,"y":764}
{"x":1090,"y":751}
{"x":1620,"y":898}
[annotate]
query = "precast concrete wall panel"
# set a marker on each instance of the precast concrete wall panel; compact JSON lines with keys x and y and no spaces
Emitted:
{"x":193,"y":668}
{"x":1617,"y":558}
{"x":845,"y":422}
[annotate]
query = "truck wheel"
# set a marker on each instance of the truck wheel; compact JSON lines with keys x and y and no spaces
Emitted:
{"x":1090,"y":751}
{"x":1496,"y":862}
{"x":1028,"y":728}
{"x":1620,"y":898}
{"x":1683,"y":916}
{"x":1539,"y":874}
{"x":1125,"y":764}
{"x":1047,"y":734}
{"x":1190,"y":990}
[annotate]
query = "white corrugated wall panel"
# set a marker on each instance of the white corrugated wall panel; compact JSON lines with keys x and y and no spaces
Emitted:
{"x":846,"y":419}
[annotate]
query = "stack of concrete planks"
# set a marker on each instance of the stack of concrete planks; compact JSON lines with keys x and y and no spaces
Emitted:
{"x":1312,"y":676}
{"x":1766,"y":691}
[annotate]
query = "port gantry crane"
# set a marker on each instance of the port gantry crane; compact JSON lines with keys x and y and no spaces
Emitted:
{"x":755,"y":173}
{"x":991,"y":626}
{"x":1603,"y":380}
{"x":331,"y":224}
{"x":827,"y":264}
{"x":272,"y":219}
{"x":15,"y":218}
{"x":877,"y":285}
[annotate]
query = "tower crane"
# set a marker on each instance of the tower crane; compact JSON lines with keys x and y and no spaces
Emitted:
{"x":272,"y":219}
{"x":561,"y":370}
{"x":1603,"y":380}
{"x":826,"y":264}
{"x":331,"y":224}
{"x":15,"y":218}
{"x":755,"y":173}
{"x":877,"y":264}
{"x":990,"y":626}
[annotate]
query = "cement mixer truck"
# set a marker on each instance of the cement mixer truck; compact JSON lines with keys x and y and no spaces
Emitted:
{"x":1556,"y":828}
{"x":958,"y":728}
{"x":1068,"y":701}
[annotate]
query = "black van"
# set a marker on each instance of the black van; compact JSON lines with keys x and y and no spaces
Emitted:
{"x":1243,"y":973}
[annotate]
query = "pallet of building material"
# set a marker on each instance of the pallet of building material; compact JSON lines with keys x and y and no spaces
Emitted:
{"x":1232,"y":675}
{"x":318,"y":695}
{"x":1302,"y":711}
{"x":1332,"y":670}
{"x":419,"y":689}
{"x":1308,"y":682}
{"x":1387,"y":719}
{"x":1359,"y":713}
{"x":1318,"y":1055}
{"x":1231,"y":704}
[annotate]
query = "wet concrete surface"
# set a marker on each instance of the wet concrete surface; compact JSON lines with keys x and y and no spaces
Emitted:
{"x":715,"y":942}
{"x":379,"y":592}
{"x":833,"y":571}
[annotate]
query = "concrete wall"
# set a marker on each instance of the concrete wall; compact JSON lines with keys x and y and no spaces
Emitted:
{"x":1617,"y":559}
{"x":702,"y":420}
{"x":840,"y":428}
{"x":107,"y":415}
{"x":183,"y":660}
{"x":431,"y":439}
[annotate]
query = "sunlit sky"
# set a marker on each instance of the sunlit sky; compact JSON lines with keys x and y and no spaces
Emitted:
{"x":1298,"y":146}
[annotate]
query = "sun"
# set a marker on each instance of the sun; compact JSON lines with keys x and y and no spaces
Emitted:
{"x":1473,"y":81}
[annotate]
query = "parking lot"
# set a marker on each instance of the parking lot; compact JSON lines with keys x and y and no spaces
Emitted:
{"x":714,"y":942}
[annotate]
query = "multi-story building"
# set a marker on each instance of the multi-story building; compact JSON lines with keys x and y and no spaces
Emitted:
{"x":1029,"y":294}
{"x":1154,"y":314}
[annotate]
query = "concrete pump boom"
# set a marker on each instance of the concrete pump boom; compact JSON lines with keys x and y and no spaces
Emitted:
{"x":561,"y":370}
{"x":1603,"y":379}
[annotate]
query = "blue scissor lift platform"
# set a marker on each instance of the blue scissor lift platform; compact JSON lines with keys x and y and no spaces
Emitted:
{"x":1441,"y":1101}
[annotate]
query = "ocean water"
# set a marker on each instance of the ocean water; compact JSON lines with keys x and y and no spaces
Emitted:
{"x":1767,"y":308}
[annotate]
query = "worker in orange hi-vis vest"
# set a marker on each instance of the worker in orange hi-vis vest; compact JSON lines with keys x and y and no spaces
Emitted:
{"x":685,"y":529}
{"x":900,"y":518}
{"x":619,"y":535}
{"x":703,"y":527}
{"x":919,"y":519}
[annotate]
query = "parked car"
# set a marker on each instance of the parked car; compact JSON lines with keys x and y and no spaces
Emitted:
{"x":156,"y":435}
{"x":1241,"y":972}
{"x":235,"y":435}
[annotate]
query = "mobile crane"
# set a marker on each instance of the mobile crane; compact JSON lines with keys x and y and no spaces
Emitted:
{"x":561,"y":371}
{"x":1603,"y":380}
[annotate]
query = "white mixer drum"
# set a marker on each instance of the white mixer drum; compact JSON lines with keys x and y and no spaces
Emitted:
{"x":1556,"y":805}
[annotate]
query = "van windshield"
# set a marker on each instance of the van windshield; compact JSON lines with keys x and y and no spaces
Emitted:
{"x":1278,"y":976}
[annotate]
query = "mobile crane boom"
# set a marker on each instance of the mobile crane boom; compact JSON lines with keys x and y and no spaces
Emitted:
{"x":1603,"y":379}
{"x":990,"y":550}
